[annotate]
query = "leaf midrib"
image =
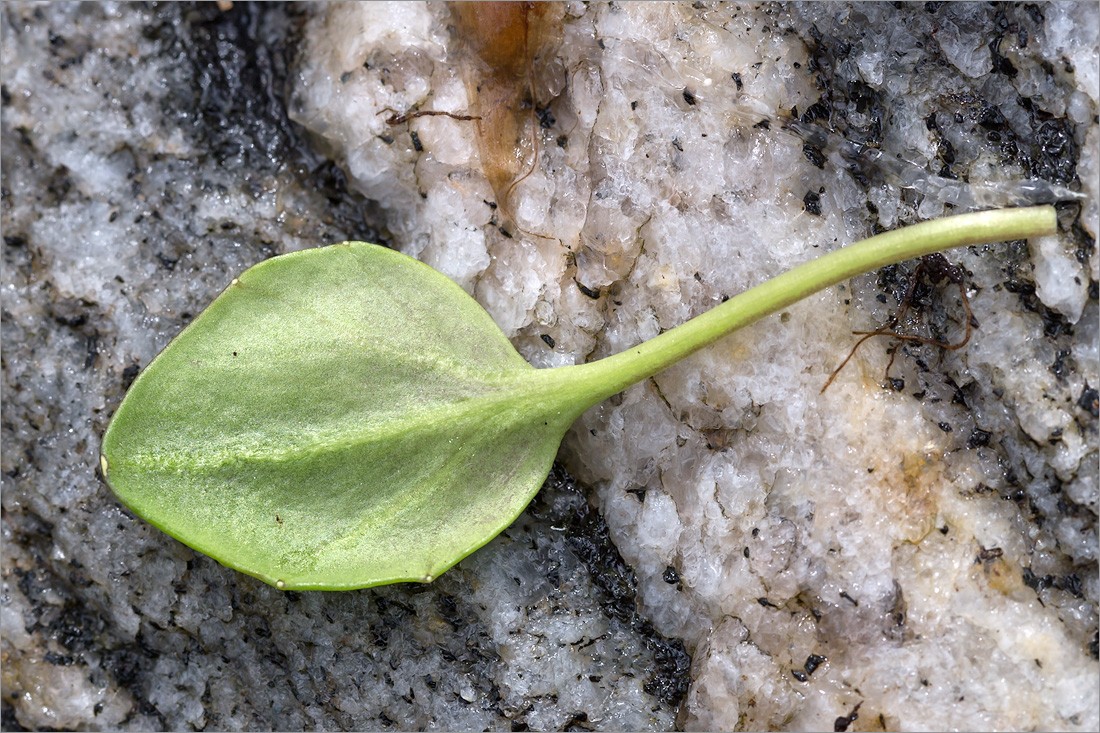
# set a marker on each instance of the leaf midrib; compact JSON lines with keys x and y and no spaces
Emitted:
{"x":438,"y":417}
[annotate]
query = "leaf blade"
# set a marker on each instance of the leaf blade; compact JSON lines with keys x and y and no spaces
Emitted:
{"x":337,"y":418}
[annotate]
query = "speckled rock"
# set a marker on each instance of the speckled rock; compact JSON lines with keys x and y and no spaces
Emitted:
{"x":147,"y":159}
{"x":914,"y":548}
{"x":921,"y":555}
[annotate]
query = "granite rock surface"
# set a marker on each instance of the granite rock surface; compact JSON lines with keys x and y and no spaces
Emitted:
{"x":147,"y":159}
{"x":916,"y":547}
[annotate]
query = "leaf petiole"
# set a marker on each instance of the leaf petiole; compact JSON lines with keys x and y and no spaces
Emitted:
{"x":615,"y":373}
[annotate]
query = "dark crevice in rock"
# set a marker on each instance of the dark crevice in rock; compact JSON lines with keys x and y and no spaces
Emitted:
{"x":589,"y":537}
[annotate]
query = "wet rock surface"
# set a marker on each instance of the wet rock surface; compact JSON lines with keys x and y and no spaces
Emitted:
{"x":900,"y":528}
{"x":147,"y":159}
{"x":913,"y":548}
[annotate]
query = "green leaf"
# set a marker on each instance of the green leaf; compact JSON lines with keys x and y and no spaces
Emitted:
{"x":346,"y":416}
{"x":337,"y":418}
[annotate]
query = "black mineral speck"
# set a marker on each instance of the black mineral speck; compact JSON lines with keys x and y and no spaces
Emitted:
{"x":689,"y":97}
{"x":813,"y":662}
{"x":448,"y":609}
{"x":670,"y":575}
{"x":1001,"y":65}
{"x":546,"y":117}
{"x":978,"y":438}
{"x":59,"y":660}
{"x":548,"y":339}
{"x":989,"y":555}
{"x":1089,"y":401}
{"x":1060,"y":367}
{"x":129,"y":374}
{"x":816,"y":111}
{"x":813,"y":154}
{"x":812,"y":203}
{"x":841,"y":724}
{"x":1057,"y":159}
{"x":593,"y":294}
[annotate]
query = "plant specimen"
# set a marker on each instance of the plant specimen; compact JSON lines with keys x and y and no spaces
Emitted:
{"x":345,"y":416}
